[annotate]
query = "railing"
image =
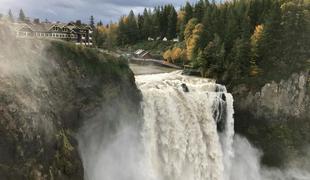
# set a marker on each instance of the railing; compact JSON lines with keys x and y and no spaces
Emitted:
{"x":155,"y":61}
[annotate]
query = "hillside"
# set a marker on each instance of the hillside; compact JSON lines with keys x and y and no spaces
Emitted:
{"x":48,"y":90}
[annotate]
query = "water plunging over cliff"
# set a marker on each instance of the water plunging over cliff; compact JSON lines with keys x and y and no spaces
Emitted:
{"x":187,"y":136}
{"x":187,"y":133}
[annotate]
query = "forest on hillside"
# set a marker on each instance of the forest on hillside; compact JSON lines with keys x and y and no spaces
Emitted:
{"x":260,"y":39}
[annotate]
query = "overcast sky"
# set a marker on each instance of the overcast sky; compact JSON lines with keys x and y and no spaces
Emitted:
{"x":66,"y":10}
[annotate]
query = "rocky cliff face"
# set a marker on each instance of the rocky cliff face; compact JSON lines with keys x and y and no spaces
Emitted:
{"x":48,"y":90}
{"x":277,"y":117}
{"x":278,"y":101}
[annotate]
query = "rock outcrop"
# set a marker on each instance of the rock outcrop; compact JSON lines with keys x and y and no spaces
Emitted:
{"x":48,"y":90}
{"x":277,"y":117}
{"x":278,"y":101}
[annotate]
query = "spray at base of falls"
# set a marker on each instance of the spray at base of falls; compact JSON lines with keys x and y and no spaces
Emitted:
{"x":184,"y":136}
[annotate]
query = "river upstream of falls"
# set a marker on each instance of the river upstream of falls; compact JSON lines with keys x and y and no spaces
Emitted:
{"x":184,"y":136}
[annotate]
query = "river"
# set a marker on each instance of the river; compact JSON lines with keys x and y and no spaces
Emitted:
{"x":149,"y":69}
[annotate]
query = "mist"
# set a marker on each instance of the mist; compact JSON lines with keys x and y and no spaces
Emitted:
{"x":247,"y":165}
{"x":24,"y":68}
{"x":112,"y":154}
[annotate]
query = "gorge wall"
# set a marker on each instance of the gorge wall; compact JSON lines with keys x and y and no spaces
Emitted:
{"x":48,"y":91}
{"x":276,"y":118}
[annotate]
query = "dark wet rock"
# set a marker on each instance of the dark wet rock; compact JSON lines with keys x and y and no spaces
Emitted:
{"x":184,"y":87}
{"x":47,"y":92}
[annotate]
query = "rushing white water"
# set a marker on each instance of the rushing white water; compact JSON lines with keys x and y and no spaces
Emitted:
{"x":180,"y":133}
{"x":185,"y":136}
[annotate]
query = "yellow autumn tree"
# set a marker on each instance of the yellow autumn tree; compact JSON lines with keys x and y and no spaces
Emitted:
{"x":167,"y":55}
{"x":111,"y":35}
{"x":255,"y":38}
{"x":181,"y":16}
{"x":257,"y":35}
{"x":192,"y":42}
{"x":176,"y":54}
{"x":189,"y":28}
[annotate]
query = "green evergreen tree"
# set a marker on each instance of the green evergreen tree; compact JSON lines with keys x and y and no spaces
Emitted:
{"x":296,"y":32}
{"x":188,"y":12}
{"x":22,"y":16}
{"x":121,"y":33}
{"x":140,"y":27}
{"x":147,"y":24}
{"x":199,"y":10}
{"x":156,"y":18}
{"x":269,"y":48}
{"x":133,"y":31}
{"x":241,"y":57}
{"x":172,"y":24}
{"x":10,"y":15}
{"x":92,"y":21}
{"x":100,"y":23}
{"x":78,"y":22}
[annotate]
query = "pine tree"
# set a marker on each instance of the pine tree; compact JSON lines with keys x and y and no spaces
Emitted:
{"x":132,"y":28}
{"x":172,"y":24}
{"x":269,"y":48}
{"x":147,"y":24}
{"x":295,"y":23}
{"x":187,"y":15}
{"x":156,"y":18}
{"x":100,"y":23}
{"x":10,"y":15}
{"x":208,"y":22}
{"x":92,"y":22}
{"x":241,"y":57}
{"x":140,"y":27}
{"x":199,"y":10}
{"x":212,"y":58}
{"x":163,"y":25}
{"x":188,"y":12}
{"x":121,"y":33}
{"x":78,"y":22}
{"x":22,"y":16}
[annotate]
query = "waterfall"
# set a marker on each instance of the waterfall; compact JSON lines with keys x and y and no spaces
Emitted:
{"x":181,"y":133}
{"x":187,"y":134}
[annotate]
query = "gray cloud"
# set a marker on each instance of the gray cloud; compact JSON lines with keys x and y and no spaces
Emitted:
{"x":64,"y":5}
{"x":67,"y":10}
